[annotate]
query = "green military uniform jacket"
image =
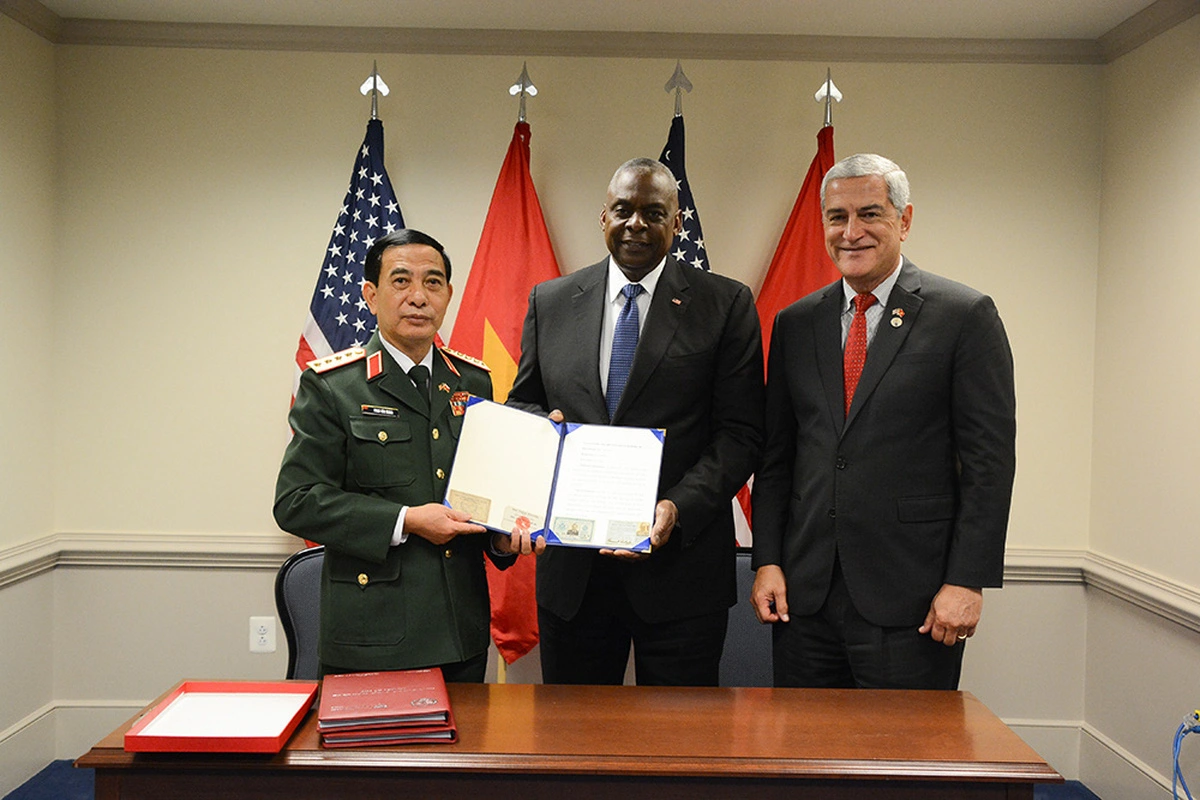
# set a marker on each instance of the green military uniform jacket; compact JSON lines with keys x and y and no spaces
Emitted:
{"x":363,"y":445}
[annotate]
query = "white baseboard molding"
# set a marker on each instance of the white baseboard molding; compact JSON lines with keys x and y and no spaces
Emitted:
{"x":26,"y":723}
{"x":65,"y":729}
{"x":1056,"y":740}
{"x":1111,"y":771}
{"x":82,"y":723}
{"x":25,"y":747}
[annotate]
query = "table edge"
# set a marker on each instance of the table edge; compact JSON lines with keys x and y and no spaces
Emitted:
{"x":447,"y":761}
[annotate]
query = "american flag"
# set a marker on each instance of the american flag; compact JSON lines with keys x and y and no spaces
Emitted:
{"x":688,"y":246}
{"x":338,"y":316}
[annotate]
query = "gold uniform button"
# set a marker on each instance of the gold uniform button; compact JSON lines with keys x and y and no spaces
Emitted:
{"x":383,"y":436}
{"x":449,"y":552}
{"x":363,"y":580}
{"x":436,"y":434}
{"x":441,"y":475}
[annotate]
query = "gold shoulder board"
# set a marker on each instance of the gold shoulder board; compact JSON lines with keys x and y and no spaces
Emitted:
{"x":464,"y":357}
{"x":336,"y":360}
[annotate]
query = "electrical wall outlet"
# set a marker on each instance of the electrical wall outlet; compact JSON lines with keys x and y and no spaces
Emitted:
{"x":262,"y":634}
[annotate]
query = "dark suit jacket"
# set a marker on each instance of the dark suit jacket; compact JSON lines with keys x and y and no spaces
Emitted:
{"x":344,"y":477}
{"x":698,"y":373}
{"x":913,"y":487}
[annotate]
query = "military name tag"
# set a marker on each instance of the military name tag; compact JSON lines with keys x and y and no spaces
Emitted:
{"x":380,"y":411}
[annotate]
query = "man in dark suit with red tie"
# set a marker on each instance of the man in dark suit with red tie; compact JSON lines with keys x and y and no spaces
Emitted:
{"x":640,"y":339}
{"x":881,"y":507}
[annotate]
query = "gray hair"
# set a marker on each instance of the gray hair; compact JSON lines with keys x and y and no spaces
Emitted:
{"x":864,"y":164}
{"x":645,"y":165}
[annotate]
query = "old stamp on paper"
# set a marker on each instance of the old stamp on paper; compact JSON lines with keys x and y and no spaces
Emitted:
{"x":478,"y":507}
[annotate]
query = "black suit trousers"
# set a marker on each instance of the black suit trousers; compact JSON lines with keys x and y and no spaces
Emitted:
{"x":593,"y":647}
{"x":836,"y":648}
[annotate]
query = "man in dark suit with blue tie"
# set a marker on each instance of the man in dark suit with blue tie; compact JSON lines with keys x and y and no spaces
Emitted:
{"x":640,"y":339}
{"x":881,"y":507}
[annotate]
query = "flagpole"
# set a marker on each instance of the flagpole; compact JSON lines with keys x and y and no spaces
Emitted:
{"x":828,"y":93}
{"x":680,"y":84}
{"x":524,"y":87}
{"x":374,"y":86}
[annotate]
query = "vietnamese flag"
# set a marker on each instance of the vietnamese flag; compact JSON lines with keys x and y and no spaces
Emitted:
{"x":801,"y":264}
{"x":514,"y":253}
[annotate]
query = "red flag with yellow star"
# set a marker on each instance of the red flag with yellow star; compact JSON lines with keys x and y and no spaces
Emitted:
{"x":514,"y":253}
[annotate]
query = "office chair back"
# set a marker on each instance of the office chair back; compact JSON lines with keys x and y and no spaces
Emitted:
{"x":298,"y":600}
{"x":747,"y":657}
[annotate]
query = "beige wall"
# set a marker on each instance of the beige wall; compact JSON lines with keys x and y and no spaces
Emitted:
{"x":198,"y":192}
{"x":203,"y":185}
{"x":28,"y":224}
{"x":1141,"y":671}
{"x":1147,"y":463}
{"x":29,"y":227}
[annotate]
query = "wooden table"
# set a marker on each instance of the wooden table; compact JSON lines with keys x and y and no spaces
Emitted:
{"x":575,"y":742}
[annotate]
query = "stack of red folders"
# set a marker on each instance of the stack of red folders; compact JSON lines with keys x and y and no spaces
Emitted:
{"x":409,"y":706}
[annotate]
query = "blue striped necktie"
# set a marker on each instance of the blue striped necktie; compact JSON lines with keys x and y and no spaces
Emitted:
{"x":625,"y":339}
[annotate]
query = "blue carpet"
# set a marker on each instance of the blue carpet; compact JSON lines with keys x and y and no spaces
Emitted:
{"x":1071,"y":790}
{"x":61,"y":781}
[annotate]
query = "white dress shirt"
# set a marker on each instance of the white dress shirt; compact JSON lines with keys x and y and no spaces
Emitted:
{"x":615,"y":302}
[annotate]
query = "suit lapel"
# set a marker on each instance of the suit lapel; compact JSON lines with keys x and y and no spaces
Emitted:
{"x":827,"y":333}
{"x":904,"y":303}
{"x":394,"y":381}
{"x":667,"y":309}
{"x":582,"y":339}
{"x":443,"y":384}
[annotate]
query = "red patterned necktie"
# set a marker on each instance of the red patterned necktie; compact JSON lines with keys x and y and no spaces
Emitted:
{"x":855,"y":354}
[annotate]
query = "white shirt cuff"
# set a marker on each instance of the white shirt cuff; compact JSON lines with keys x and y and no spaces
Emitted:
{"x":398,"y":534}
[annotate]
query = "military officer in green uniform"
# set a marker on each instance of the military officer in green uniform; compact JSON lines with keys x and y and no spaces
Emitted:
{"x":374,"y":435}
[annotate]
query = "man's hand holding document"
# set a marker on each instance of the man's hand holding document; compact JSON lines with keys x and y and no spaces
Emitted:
{"x":576,"y":485}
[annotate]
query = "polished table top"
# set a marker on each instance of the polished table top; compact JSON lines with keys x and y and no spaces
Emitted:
{"x":659,"y":731}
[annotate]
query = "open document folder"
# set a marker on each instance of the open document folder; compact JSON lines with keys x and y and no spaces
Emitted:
{"x":579,"y":485}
